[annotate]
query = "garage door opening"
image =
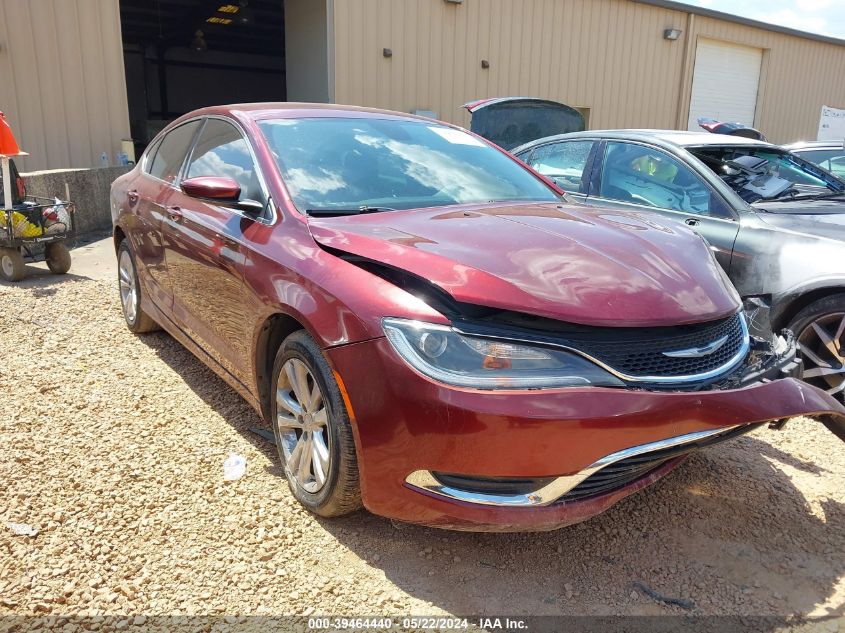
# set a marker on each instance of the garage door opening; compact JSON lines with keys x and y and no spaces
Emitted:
{"x":725,"y":83}
{"x":180,"y":55}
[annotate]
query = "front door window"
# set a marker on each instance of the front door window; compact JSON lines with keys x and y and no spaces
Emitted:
{"x":222,"y":151}
{"x":646,"y":176}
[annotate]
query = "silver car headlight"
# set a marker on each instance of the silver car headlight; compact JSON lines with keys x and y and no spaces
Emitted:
{"x":441,"y":353}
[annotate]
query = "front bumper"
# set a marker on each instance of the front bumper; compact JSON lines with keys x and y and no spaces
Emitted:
{"x":408,"y":427}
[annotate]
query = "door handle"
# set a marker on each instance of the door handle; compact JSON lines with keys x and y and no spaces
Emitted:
{"x":175,"y":213}
{"x":133,"y":196}
{"x":692,"y":222}
{"x":225,"y":240}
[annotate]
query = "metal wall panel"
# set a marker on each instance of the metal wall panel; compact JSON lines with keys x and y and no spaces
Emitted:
{"x":605,"y":55}
{"x":62,"y":82}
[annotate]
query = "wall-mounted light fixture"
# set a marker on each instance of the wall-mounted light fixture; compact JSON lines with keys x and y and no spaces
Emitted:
{"x":387,"y":52}
{"x":485,"y":64}
{"x":454,"y":1}
{"x":672,"y":34}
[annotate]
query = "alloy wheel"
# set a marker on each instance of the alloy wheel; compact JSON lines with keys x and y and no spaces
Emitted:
{"x":128,"y":289}
{"x":302,"y":426}
{"x":823,"y":346}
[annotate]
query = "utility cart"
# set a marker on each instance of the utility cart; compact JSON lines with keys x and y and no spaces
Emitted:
{"x":29,"y":225}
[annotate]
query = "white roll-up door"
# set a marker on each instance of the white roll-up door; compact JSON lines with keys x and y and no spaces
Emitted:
{"x":724,"y":82}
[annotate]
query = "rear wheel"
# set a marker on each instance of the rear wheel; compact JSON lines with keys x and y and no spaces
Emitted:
{"x":136,"y":319}
{"x":312,"y":430}
{"x":58,"y":257}
{"x":12,"y":267}
{"x":820,"y":331}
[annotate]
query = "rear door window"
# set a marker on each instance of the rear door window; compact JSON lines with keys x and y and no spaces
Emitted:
{"x":171,"y":152}
{"x":563,"y":162}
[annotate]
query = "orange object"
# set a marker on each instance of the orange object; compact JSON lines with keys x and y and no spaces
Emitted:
{"x":8,"y":144}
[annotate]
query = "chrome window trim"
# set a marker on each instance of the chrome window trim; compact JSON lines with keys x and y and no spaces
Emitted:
{"x":424,"y":480}
{"x":713,"y":373}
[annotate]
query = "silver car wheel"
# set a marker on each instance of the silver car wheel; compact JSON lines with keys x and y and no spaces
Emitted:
{"x":823,"y":347}
{"x":302,"y":426}
{"x":128,"y":289}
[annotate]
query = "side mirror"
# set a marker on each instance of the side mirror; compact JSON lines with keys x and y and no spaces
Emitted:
{"x":219,"y":188}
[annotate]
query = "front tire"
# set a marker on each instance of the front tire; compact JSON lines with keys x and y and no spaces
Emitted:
{"x":12,"y":267}
{"x":820,"y":331}
{"x":312,"y":430}
{"x":136,"y":319}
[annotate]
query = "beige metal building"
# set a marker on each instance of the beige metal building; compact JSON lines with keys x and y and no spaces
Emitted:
{"x":77,"y":76}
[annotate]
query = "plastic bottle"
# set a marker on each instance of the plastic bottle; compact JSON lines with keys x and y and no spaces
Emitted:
{"x":104,"y":159}
{"x":234,"y":467}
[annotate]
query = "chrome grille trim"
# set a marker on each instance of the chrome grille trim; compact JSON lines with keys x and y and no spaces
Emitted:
{"x":425,"y":481}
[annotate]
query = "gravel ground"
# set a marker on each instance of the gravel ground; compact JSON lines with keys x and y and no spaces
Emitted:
{"x":112,"y":448}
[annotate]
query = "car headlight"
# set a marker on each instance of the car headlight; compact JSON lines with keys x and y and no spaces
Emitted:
{"x":443,"y":354}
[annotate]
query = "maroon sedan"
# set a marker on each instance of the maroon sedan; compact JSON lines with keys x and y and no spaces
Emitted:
{"x":430,"y":328}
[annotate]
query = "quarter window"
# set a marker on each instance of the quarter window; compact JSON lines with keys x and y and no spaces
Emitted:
{"x":171,"y":152}
{"x":222,"y":151}
{"x":563,"y":162}
{"x":646,"y":176}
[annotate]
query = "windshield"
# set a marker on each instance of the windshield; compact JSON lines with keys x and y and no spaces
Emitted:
{"x":382,"y":164}
{"x":767,"y":174}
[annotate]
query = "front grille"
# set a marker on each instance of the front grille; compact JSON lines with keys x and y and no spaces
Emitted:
{"x":643,"y":356}
{"x":629,"y":470}
{"x":636,"y":354}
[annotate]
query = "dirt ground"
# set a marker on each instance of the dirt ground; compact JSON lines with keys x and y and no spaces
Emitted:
{"x":112,"y":446}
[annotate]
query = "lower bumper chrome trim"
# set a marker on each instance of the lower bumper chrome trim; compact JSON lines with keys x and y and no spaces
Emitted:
{"x":546,"y":495}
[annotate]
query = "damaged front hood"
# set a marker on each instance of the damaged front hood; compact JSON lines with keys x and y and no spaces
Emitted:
{"x":570,"y":263}
{"x":818,"y":218}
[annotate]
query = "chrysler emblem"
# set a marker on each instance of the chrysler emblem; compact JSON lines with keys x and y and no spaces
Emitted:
{"x":698,"y":352}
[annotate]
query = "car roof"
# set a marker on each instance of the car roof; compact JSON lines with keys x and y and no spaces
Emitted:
{"x":817,"y":145}
{"x":295,"y":110}
{"x":676,"y":138}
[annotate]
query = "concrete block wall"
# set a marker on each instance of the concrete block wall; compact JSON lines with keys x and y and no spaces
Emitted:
{"x":88,"y":188}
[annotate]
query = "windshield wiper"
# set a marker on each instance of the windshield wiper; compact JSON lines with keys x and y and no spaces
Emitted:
{"x":814,"y":196}
{"x":356,"y":211}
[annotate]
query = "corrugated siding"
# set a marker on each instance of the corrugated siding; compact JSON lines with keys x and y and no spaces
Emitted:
{"x":62,"y":83}
{"x":606,"y":55}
